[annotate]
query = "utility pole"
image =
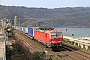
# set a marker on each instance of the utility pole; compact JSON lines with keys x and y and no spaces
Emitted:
{"x":19,"y":27}
{"x":39,"y":24}
{"x":3,"y":23}
{"x":51,"y":22}
{"x":15,"y":20}
{"x":19,"y":22}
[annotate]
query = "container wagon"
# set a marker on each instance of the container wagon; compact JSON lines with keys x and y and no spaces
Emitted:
{"x":31,"y":31}
{"x":25,"y":29}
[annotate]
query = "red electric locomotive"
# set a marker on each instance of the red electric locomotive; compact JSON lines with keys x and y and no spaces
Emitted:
{"x":51,"y":38}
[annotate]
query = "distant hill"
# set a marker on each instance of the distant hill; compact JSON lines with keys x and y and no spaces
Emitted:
{"x":69,"y":16}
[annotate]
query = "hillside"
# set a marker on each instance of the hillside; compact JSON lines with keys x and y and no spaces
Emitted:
{"x":75,"y":16}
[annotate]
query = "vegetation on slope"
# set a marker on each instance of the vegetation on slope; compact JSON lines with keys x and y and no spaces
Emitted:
{"x":75,"y":16}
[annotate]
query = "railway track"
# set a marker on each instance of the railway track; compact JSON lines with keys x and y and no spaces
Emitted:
{"x":76,"y":53}
{"x":65,"y":53}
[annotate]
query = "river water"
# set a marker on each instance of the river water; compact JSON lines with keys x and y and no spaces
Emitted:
{"x":75,"y":32}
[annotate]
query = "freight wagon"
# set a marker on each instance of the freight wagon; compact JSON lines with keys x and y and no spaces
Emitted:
{"x":25,"y":29}
{"x":31,"y":31}
{"x":20,"y":28}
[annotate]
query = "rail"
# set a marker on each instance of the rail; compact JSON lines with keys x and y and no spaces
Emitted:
{"x":4,"y":55}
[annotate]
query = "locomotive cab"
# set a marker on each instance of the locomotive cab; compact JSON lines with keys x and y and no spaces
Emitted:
{"x":56,"y":39}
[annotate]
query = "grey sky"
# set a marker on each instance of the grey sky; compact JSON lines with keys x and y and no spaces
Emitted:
{"x":47,"y":3}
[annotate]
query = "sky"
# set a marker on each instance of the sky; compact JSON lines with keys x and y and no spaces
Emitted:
{"x":47,"y":3}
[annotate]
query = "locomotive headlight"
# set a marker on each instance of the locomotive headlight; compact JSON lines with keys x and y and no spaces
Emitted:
{"x":50,"y":42}
{"x":59,"y":41}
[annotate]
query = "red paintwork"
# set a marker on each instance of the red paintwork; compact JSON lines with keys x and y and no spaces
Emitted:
{"x":45,"y":37}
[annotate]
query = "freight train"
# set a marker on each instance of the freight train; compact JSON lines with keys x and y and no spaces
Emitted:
{"x":49,"y":37}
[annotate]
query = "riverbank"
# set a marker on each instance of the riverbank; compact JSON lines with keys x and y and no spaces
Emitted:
{"x":81,"y":43}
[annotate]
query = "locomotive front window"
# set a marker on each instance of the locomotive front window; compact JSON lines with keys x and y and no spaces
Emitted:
{"x":56,"y":34}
